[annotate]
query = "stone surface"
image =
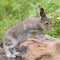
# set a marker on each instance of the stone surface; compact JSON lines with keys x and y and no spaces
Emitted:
{"x":35,"y":49}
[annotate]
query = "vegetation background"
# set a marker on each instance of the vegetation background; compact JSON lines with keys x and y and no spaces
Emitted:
{"x":15,"y":11}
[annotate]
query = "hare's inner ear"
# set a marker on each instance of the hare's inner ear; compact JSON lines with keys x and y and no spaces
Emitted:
{"x":41,"y":12}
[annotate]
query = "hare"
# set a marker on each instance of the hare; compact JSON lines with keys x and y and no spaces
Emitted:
{"x":28,"y":28}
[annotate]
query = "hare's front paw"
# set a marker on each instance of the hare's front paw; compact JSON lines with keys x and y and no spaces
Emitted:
{"x":51,"y":38}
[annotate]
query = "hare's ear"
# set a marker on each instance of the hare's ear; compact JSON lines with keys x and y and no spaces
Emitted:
{"x":41,"y":11}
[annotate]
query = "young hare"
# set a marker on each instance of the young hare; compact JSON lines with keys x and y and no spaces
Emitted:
{"x":28,"y":28}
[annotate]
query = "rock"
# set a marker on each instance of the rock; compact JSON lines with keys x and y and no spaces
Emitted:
{"x":35,"y":49}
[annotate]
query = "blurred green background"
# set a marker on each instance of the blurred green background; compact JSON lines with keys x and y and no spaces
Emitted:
{"x":15,"y":11}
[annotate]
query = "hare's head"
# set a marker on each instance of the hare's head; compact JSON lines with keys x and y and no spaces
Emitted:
{"x":45,"y":22}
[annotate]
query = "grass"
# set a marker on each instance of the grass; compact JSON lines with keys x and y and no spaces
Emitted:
{"x":15,"y":11}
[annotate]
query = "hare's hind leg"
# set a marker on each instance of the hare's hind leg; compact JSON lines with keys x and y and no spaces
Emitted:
{"x":7,"y":52}
{"x":14,"y":52}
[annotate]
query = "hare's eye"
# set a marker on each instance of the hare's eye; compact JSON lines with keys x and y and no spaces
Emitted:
{"x":47,"y":23}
